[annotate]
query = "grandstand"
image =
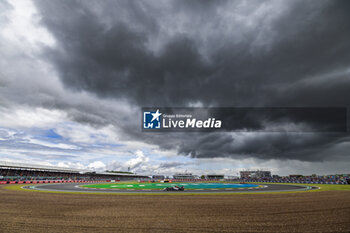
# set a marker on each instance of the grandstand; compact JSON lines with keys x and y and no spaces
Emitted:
{"x":255,"y":174}
{"x":329,"y":179}
{"x":182,"y":176}
{"x":15,"y":172}
{"x":158,"y":177}
{"x":214,"y":176}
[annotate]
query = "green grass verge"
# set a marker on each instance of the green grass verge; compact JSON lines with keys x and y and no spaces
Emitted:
{"x":159,"y":185}
{"x":323,"y":187}
{"x":18,"y":187}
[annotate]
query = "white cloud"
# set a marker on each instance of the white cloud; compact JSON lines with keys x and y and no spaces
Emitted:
{"x":25,"y":117}
{"x":140,"y":160}
{"x":53,"y":145}
{"x":76,"y":132}
{"x":97,"y":166}
{"x":75,"y":165}
{"x":24,"y":24}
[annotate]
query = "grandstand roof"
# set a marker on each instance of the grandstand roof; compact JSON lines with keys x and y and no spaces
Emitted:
{"x":5,"y":164}
{"x":27,"y":166}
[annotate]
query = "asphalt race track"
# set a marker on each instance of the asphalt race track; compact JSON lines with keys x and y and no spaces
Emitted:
{"x":76,"y":188}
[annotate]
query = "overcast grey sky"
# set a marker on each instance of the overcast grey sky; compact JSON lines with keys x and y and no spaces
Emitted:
{"x":75,"y":74}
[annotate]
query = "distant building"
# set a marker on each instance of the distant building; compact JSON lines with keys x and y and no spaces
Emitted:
{"x":158,"y":177}
{"x":255,"y":174}
{"x":214,"y":177}
{"x":245,"y":174}
{"x":180,"y":176}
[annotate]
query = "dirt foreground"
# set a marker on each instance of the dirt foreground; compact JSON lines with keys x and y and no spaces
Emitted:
{"x":24,"y":211}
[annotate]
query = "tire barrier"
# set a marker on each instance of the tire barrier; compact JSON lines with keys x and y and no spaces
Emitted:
{"x":194,"y":180}
{"x":297,"y":181}
{"x":52,"y":181}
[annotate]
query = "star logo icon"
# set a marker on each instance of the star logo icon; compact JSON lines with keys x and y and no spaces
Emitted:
{"x":156,"y":115}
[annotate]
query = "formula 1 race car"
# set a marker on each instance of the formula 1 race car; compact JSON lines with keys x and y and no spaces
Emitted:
{"x":176,"y":188}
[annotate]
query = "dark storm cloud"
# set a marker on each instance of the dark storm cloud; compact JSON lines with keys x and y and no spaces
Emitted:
{"x":178,"y":53}
{"x":305,"y":147}
{"x":113,"y":59}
